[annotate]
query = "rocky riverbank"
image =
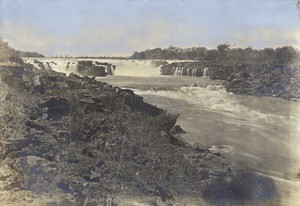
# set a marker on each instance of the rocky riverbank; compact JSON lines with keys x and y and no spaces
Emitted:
{"x":251,"y":79}
{"x":77,"y":141}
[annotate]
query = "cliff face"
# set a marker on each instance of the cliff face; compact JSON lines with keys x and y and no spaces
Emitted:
{"x":77,"y":141}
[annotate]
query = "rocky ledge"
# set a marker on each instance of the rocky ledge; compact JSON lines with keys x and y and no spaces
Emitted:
{"x":97,"y":69}
{"x":78,"y":141}
{"x":276,"y":81}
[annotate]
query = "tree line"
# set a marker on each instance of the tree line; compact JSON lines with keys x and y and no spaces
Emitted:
{"x":7,"y":53}
{"x":224,"y":54}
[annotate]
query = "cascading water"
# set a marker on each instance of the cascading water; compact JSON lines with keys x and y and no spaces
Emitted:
{"x":205,"y":72}
{"x":194,"y":71}
{"x":65,"y":65}
{"x":135,"y":68}
{"x":46,"y":66}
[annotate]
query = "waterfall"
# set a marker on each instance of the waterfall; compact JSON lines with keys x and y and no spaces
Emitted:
{"x":180,"y":71}
{"x":136,"y":68}
{"x":142,"y":68}
{"x":46,"y":65}
{"x":205,"y":72}
{"x":194,"y":71}
{"x":73,"y":67}
{"x":176,"y":71}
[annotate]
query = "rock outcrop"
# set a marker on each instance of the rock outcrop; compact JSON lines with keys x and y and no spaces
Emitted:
{"x":87,"y":68}
{"x":277,"y":81}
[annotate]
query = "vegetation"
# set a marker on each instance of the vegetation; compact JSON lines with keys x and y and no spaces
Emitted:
{"x":7,"y":53}
{"x":224,"y":54}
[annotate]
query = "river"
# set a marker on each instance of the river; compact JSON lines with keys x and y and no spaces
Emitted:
{"x":259,"y":134}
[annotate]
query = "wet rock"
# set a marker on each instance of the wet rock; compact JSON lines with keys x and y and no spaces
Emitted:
{"x":136,"y":103}
{"x":177,"y":130}
{"x":86,"y":68}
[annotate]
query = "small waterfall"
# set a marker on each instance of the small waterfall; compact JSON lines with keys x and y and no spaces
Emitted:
{"x":173,"y":70}
{"x":178,"y":71}
{"x":181,"y":71}
{"x":73,"y":67}
{"x":110,"y":69}
{"x":47,"y":66}
{"x":205,"y":72}
{"x":194,"y":71}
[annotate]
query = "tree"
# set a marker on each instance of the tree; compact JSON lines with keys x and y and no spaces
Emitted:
{"x":222,"y":48}
{"x":285,"y":55}
{"x":212,"y":55}
{"x":5,"y":51}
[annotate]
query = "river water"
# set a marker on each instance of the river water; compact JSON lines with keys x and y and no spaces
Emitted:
{"x":259,"y":134}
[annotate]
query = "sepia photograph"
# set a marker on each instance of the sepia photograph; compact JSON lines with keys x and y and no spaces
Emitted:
{"x":149,"y":102}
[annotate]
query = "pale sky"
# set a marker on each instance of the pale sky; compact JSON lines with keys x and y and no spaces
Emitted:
{"x":119,"y":27}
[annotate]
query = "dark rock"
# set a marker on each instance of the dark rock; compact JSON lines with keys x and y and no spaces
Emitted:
{"x":177,"y":130}
{"x":136,"y":103}
{"x":266,"y":81}
{"x":162,"y":192}
{"x":57,"y":107}
{"x":242,"y":189}
{"x":12,"y":186}
{"x":86,"y":68}
{"x":35,"y":126}
{"x":63,"y":186}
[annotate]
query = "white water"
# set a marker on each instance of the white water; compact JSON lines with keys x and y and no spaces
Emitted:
{"x":62,"y":65}
{"x":205,"y":72}
{"x":135,"y":68}
{"x":260,"y":134}
{"x":142,"y":68}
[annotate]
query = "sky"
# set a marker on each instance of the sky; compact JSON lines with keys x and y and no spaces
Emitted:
{"x":120,"y":27}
